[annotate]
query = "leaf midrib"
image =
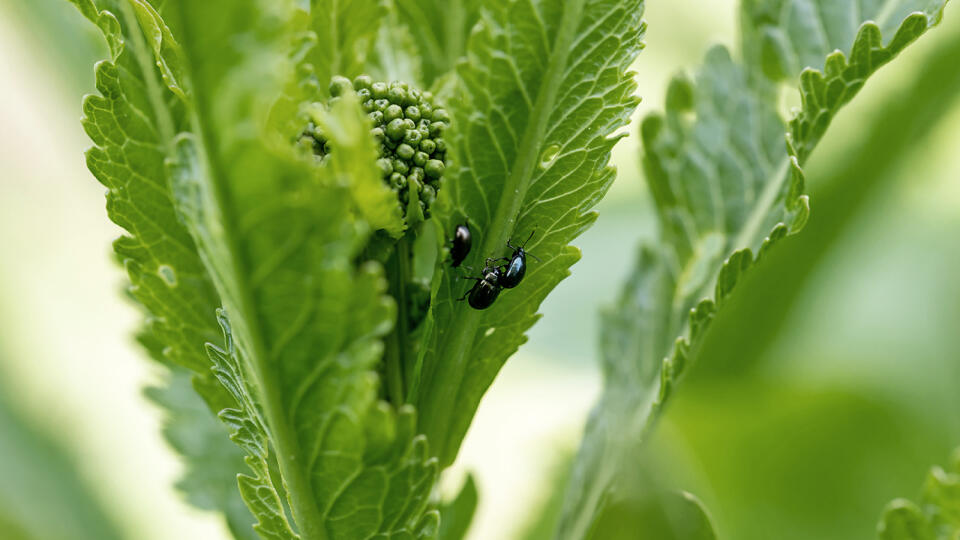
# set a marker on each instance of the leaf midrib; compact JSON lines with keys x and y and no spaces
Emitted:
{"x":466,"y":320}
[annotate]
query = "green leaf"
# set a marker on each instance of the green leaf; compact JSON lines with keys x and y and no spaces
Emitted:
{"x":783,"y":37}
{"x":440,"y":29}
{"x":303,"y":325}
{"x":456,"y":515}
{"x":223,"y":211}
{"x":938,"y":515}
{"x":544,"y":88}
{"x":132,"y":124}
{"x":345,"y":32}
{"x":725,"y":190}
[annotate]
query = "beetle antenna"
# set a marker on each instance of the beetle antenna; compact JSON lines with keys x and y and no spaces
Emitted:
{"x":528,"y":238}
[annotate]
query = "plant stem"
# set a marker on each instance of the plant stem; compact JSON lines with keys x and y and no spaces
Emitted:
{"x":398,"y":272}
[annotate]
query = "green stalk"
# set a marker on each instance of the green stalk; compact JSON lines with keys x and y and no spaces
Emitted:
{"x":397,"y":343}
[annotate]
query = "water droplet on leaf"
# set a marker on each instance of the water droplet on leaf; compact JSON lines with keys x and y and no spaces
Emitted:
{"x":549,"y":155}
{"x":167,"y":274}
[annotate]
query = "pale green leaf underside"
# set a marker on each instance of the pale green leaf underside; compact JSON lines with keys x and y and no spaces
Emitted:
{"x":130,"y":130}
{"x":280,"y":236}
{"x":726,"y":188}
{"x":544,"y":87}
{"x":937,"y":517}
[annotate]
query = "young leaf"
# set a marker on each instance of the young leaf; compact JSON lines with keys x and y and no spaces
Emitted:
{"x":440,"y":29}
{"x":303,"y":325}
{"x":132,"y":124}
{"x":938,"y":515}
{"x":725,"y":189}
{"x":457,"y":514}
{"x":544,"y":87}
{"x":345,"y":34}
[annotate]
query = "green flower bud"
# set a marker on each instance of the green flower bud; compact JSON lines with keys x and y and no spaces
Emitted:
{"x":405,"y":151}
{"x":397,"y":95}
{"x":340,"y":85}
{"x":392,"y":113}
{"x":434,"y":168}
{"x":428,"y":195}
{"x":412,"y":137}
{"x":407,"y":129}
{"x":426,"y":111}
{"x":428,"y":146}
{"x":306,"y":143}
{"x":414,"y":180}
{"x":362,"y":82}
{"x":379,"y":90}
{"x":400,"y":166}
{"x":396,"y":129}
{"x":413,"y":97}
{"x":420,"y":158}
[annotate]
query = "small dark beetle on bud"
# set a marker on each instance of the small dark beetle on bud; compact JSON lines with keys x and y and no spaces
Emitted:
{"x":460,"y":248}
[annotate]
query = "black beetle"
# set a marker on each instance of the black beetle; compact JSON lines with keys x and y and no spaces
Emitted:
{"x":486,"y":289}
{"x":460,"y":245}
{"x":512,"y":273}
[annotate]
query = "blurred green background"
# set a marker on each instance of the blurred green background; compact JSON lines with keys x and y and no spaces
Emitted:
{"x":826,"y":388}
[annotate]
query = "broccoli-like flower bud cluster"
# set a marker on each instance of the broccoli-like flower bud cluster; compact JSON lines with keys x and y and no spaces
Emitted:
{"x":408,"y":129}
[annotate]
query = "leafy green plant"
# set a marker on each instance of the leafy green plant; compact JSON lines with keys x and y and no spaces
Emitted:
{"x":938,"y":516}
{"x":287,"y":220}
{"x":726,"y":189}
